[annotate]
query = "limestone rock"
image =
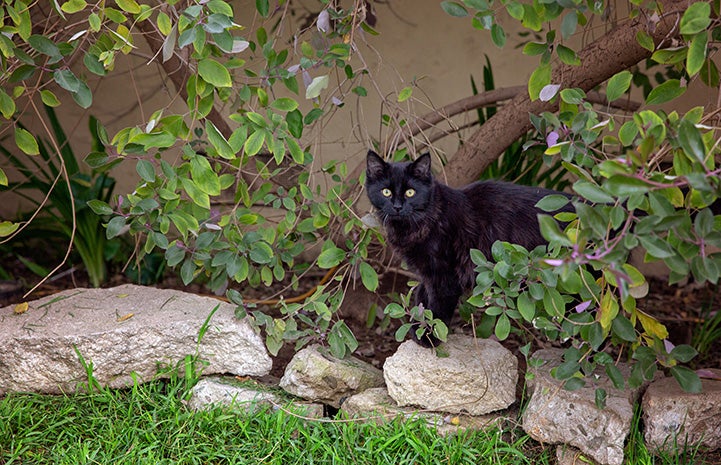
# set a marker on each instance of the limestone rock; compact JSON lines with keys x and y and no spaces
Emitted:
{"x":376,"y":405}
{"x":478,"y":376}
{"x":673,"y":417}
{"x":554,"y":415}
{"x":229,"y":392}
{"x":122,"y":330}
{"x":315,"y":375}
{"x":210,"y":392}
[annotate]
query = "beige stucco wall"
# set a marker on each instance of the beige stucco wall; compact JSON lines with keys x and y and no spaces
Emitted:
{"x":418,"y":43}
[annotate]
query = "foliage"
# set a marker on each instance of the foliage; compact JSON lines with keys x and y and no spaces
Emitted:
{"x":650,"y":181}
{"x":524,"y":161}
{"x":63,"y":207}
{"x":246,"y":197}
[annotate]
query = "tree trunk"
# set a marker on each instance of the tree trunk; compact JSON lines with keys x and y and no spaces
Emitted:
{"x":614,"y":52}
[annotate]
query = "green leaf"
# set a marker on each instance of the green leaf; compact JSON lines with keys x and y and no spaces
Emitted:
{"x":284,"y":104}
{"x":645,"y":40}
{"x":73,"y":6}
{"x":130,"y":6}
{"x":261,"y":252}
{"x":551,"y":232}
{"x":696,"y":56}
{"x":552,"y":203}
{"x":254,"y":143}
{"x":67,"y":80}
{"x":214,"y":73}
{"x":263,"y":7}
{"x":26,"y":142}
{"x":540,"y":78}
{"x":296,"y":152}
{"x":368,"y":276}
{"x":205,"y":178}
{"x":573,"y":96}
{"x":623,"y":186}
{"x":7,"y":105}
{"x":405,"y":94}
{"x":618,"y":85}
{"x":316,"y":87}
{"x":515,"y":10}
{"x":49,"y":98}
{"x":454,"y":9}
{"x":114,"y":226}
{"x":498,"y":35}
{"x":696,"y":18}
{"x":592,"y":192}
{"x":44,"y":45}
{"x":683,"y":353}
{"x":553,"y":303}
{"x":526,"y":307}
{"x":7,"y":228}
{"x":503,"y":327}
{"x":687,"y":379}
{"x":146,"y":170}
{"x":615,"y":375}
{"x":330,"y":256}
{"x":569,"y":24}
{"x":199,"y":197}
{"x":665,"y":92}
{"x":689,"y":137}
{"x":623,"y":328}
{"x":218,"y":141}
{"x":187,"y":271}
{"x":3,"y":178}
{"x":295,"y":123}
{"x":99,"y":207}
{"x":656,"y":247}
{"x":567,"y":55}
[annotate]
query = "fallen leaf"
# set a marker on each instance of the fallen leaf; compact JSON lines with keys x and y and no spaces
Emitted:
{"x":21,"y":308}
{"x":126,"y":317}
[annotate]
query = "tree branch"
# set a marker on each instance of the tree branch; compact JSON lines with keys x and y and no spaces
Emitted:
{"x":615,"y":51}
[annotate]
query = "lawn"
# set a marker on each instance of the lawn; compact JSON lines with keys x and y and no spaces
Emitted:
{"x":150,"y":423}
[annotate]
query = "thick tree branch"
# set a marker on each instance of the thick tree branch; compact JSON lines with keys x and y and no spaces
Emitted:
{"x":615,"y":51}
{"x":494,"y":97}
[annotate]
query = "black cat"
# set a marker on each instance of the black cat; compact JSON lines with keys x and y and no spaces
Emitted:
{"x":434,"y":226}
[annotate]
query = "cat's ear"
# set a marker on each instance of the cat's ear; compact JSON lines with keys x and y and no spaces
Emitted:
{"x":375,"y":166}
{"x":421,"y":168}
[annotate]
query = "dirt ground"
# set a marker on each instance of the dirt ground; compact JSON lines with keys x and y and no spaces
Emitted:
{"x":683,"y":309}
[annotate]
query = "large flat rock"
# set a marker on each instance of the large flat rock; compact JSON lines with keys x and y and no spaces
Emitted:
{"x":674,"y":418}
{"x":557,"y":416}
{"x":315,"y":375}
{"x":121,"y":331}
{"x":477,"y":377}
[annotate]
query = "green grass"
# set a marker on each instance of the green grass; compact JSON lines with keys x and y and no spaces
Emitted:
{"x":149,"y":424}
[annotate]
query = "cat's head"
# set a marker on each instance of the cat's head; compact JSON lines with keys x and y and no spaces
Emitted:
{"x":399,"y":190}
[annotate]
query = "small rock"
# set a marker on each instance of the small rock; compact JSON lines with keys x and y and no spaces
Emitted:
{"x":376,"y":405}
{"x":554,"y":415}
{"x":477,"y":377}
{"x":317,"y":376}
{"x":229,"y":392}
{"x":213,"y":392}
{"x":125,"y":332}
{"x":674,"y":418}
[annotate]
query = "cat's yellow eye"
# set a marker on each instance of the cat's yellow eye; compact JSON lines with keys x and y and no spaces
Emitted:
{"x":410,"y":192}
{"x":386,"y":192}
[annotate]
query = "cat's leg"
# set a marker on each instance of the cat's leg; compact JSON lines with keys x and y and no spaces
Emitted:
{"x":441,"y":298}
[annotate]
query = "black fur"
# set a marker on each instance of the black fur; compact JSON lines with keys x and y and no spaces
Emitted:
{"x":435,"y":228}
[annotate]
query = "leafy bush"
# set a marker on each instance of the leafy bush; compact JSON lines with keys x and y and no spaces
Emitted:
{"x":247,"y":196}
{"x":61,"y":194}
